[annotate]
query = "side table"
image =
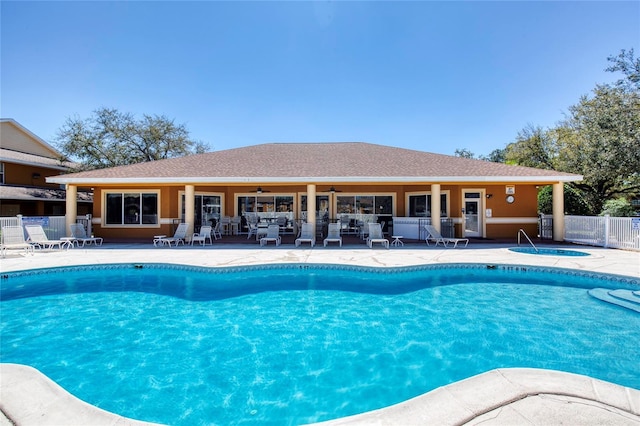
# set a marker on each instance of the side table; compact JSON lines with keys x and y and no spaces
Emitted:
{"x":397,"y":240}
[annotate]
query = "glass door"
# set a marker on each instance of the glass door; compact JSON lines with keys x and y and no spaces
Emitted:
{"x":472,"y":216}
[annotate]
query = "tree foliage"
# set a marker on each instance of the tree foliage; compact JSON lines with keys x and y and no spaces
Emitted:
{"x":112,"y":138}
{"x":599,"y":139}
{"x":618,"y":207}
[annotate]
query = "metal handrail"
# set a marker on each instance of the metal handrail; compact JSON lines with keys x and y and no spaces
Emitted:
{"x":521,"y":231}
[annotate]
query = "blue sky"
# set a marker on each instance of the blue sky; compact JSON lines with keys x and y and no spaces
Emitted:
{"x":432,"y":76}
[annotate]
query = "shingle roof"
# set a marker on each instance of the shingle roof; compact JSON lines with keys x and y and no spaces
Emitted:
{"x":10,"y":156}
{"x":310,"y":162}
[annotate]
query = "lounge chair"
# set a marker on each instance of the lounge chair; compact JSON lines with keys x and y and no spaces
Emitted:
{"x":434,"y":235}
{"x":178,"y":236}
{"x":333,"y":234}
{"x":202,"y":236}
{"x":216,"y":231}
{"x":376,"y":236}
{"x":13,"y":239}
{"x":273,"y":234}
{"x":307,"y":235}
{"x":80,"y":235}
{"x":39,"y":238}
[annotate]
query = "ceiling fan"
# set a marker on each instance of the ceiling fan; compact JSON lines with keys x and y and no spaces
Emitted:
{"x":332,"y":190}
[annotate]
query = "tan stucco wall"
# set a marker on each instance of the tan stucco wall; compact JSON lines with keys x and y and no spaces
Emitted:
{"x":21,"y":174}
{"x":13,"y":138}
{"x":524,"y":207}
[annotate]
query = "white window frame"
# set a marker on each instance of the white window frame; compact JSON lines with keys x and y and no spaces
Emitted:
{"x":446,"y":192}
{"x":104,"y":194}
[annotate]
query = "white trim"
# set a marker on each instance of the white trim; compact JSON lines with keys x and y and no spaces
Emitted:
{"x":446,"y":192}
{"x":482,"y":212}
{"x":510,"y":220}
{"x":263,"y":180}
{"x":103,"y":208}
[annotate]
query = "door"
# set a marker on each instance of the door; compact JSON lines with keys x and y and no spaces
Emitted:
{"x":472,"y":217}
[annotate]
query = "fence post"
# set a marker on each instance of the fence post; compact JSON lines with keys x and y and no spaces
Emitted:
{"x":19,"y":219}
{"x":607,"y":224}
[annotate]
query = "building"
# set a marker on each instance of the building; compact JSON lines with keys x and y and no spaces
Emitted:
{"x":25,"y":163}
{"x":346,"y":181}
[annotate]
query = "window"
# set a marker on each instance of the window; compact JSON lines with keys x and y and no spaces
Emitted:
{"x":266,"y":206}
{"x":420,"y":205}
{"x":208,"y":208}
{"x":131,"y":208}
{"x":2,"y":173}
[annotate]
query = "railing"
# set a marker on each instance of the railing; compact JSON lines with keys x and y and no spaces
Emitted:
{"x":604,"y":231}
{"x":521,"y":232}
{"x":54,"y":226}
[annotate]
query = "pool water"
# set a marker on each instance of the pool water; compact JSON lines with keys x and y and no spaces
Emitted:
{"x":549,"y":251}
{"x":300,"y":344}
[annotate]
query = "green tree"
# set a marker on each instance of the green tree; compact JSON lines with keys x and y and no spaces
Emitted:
{"x":618,"y":207}
{"x":599,"y":139}
{"x":112,"y":138}
{"x":534,"y":147}
{"x":464,"y":153}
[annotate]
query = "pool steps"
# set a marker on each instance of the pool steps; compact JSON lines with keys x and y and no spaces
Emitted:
{"x":629,"y":299}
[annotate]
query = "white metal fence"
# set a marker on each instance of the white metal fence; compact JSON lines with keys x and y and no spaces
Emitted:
{"x":605,"y":231}
{"x":54,"y":226}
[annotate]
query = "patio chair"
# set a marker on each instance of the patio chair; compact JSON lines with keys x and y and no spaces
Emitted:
{"x":216,"y":231}
{"x":202,"y":236}
{"x":333,"y":234}
{"x":39,"y":238}
{"x":376,"y":236}
{"x":307,"y":235}
{"x":13,"y":239}
{"x":273,"y":234}
{"x":178,"y":236}
{"x":80,"y":235}
{"x":434,"y":235}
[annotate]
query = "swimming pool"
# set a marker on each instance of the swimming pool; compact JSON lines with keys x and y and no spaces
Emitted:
{"x":290,"y":344}
{"x":549,"y":251}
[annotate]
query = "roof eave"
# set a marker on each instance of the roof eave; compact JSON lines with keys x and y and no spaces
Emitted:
{"x":314,"y":179}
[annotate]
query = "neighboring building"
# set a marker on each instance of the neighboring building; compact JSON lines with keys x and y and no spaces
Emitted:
{"x":25,"y":163}
{"x":348,"y":181}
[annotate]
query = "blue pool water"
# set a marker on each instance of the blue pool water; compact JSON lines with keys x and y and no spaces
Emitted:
{"x":549,"y":251}
{"x":294,"y":344}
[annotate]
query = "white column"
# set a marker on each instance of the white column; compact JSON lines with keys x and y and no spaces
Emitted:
{"x":189,"y":208}
{"x":311,"y":203}
{"x":71,"y":207}
{"x":558,"y":211}
{"x":435,"y":205}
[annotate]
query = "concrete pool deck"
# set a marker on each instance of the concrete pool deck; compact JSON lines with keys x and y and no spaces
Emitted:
{"x":498,"y":397}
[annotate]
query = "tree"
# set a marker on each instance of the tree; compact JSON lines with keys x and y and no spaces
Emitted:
{"x":534,"y":147}
{"x":464,"y":153}
{"x":618,"y":207}
{"x":599,"y":139}
{"x":626,"y":63}
{"x":111,"y":138}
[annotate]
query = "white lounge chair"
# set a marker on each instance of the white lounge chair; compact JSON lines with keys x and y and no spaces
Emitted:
{"x":178,"y":236}
{"x":273,"y":234}
{"x":202,"y":236}
{"x":307,"y":235}
{"x":38,"y":237}
{"x":216,"y":231}
{"x":434,"y":235}
{"x":376,"y":236}
{"x":80,"y":235}
{"x":13,"y":239}
{"x":333,"y":234}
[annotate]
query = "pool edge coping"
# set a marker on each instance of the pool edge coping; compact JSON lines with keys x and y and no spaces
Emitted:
{"x":27,"y":396}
